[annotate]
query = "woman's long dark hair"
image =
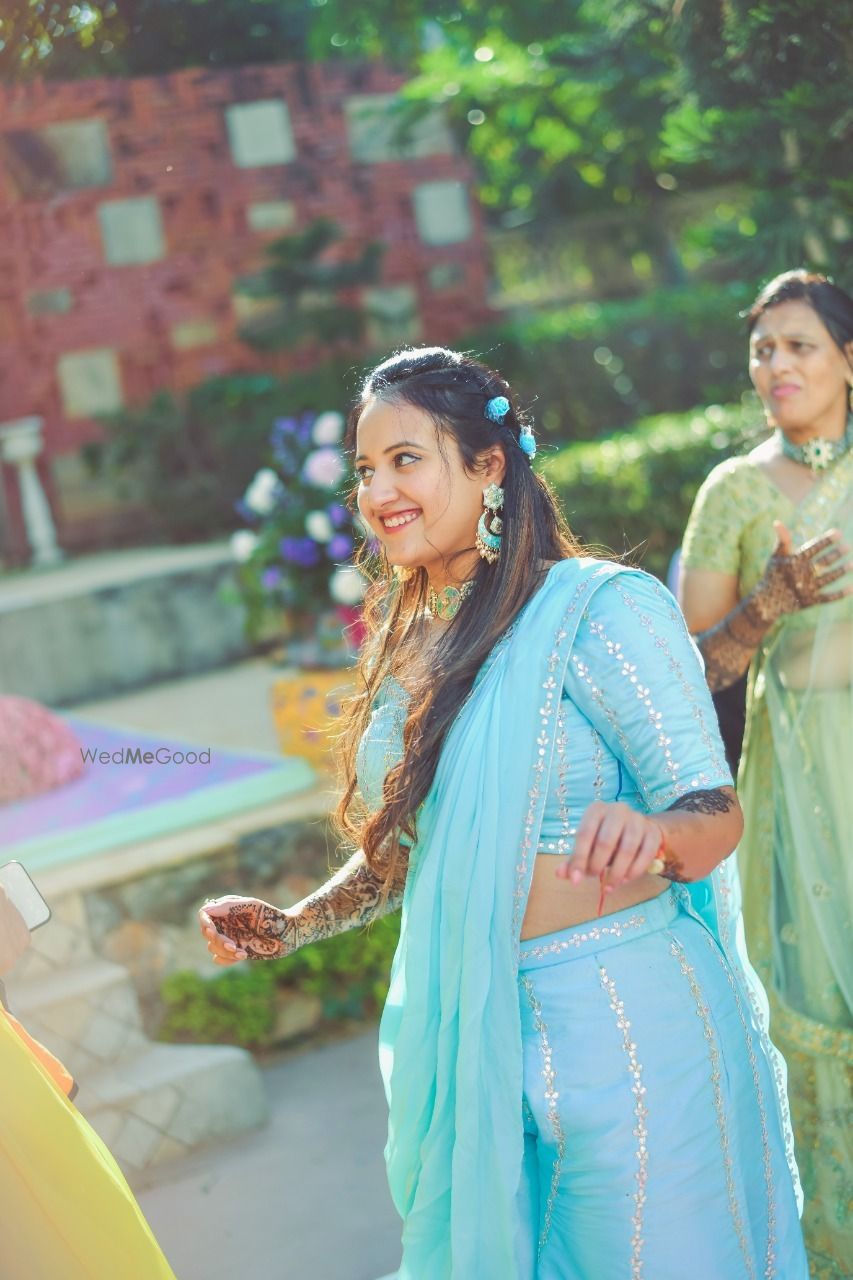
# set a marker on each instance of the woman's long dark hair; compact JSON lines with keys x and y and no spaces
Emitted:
{"x":453,"y":389}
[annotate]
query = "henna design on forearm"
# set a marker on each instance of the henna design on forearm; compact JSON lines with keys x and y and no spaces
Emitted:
{"x":790,"y":583}
{"x":353,"y":897}
{"x":728,"y":647}
{"x":714,"y":801}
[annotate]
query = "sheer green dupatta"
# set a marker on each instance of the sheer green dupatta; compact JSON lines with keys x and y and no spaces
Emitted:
{"x":799,"y":875}
{"x":450,"y":1040}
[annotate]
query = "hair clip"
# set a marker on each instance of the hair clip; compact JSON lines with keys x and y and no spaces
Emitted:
{"x":527,"y":442}
{"x":496,"y":409}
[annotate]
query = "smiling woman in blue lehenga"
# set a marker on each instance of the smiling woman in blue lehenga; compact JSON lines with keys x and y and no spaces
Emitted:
{"x":574,"y":1047}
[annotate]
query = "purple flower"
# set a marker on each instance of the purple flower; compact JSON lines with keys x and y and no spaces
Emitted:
{"x":285,"y":458}
{"x":340,"y":548}
{"x":271,"y":578}
{"x":282,"y":429}
{"x":338,"y":514}
{"x":301,"y":551}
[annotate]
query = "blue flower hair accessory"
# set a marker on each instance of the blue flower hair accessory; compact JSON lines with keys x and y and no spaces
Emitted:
{"x":527,"y":442}
{"x":496,"y":409}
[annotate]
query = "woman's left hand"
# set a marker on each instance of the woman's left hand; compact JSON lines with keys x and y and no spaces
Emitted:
{"x":616,"y":839}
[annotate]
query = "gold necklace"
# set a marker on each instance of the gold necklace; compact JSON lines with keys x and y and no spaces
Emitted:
{"x":445,"y":604}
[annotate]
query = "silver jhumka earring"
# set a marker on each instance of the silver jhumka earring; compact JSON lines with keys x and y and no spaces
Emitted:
{"x":490,"y":525}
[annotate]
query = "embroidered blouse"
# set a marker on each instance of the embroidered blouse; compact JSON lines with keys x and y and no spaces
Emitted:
{"x":635,"y":722}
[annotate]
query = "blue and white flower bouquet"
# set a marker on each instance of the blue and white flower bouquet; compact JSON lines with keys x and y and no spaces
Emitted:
{"x":295,"y":555}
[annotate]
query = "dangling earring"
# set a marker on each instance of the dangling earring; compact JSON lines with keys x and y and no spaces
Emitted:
{"x":488,"y":540}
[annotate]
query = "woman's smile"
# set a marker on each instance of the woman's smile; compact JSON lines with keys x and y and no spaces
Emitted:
{"x":398,"y":520}
{"x":416,"y":493}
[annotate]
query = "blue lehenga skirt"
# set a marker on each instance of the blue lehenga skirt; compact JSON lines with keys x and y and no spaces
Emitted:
{"x":653,"y":1142}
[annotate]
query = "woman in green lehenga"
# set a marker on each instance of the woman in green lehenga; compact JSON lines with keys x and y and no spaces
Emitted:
{"x":788,"y":615}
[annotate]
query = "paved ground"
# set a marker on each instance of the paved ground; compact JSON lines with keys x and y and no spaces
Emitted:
{"x":228,"y":708}
{"x":304,"y":1198}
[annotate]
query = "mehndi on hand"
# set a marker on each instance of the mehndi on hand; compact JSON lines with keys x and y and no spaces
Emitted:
{"x":795,"y":580}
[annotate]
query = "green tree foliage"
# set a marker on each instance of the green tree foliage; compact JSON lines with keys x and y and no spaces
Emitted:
{"x":768,"y":102}
{"x":67,"y":39}
{"x":569,"y":121}
{"x":301,"y":282}
{"x":566,"y":106}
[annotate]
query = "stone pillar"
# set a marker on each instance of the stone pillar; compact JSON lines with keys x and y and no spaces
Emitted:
{"x":20,"y":445}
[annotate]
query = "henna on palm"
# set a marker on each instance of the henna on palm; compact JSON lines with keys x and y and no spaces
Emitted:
{"x":257,"y":928}
{"x":790,"y":583}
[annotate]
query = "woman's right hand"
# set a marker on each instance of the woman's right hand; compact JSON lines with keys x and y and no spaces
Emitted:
{"x":795,"y":580}
{"x":237,"y":928}
{"x":14,"y":934}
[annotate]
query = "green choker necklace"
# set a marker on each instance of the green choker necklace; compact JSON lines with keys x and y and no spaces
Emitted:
{"x":818,"y":453}
{"x":445,"y":604}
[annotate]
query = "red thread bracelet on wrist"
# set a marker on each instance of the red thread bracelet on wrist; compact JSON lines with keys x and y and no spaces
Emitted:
{"x":602,"y":879}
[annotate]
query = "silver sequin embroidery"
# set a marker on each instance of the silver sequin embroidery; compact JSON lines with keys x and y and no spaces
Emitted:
{"x":641,"y":1132}
{"x":549,"y":1076}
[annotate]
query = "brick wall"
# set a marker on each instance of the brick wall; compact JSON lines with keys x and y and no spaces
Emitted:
{"x":75,"y":325}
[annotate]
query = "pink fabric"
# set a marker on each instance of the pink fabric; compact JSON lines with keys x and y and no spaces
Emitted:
{"x":38,"y":751}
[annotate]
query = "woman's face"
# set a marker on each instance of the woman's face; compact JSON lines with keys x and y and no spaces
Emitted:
{"x":798,"y":371}
{"x":419,"y":501}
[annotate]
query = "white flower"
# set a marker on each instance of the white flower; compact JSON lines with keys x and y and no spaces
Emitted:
{"x":347,"y":586}
{"x":324,"y":468}
{"x":262,"y":494}
{"x":328,"y":428}
{"x":243,"y":544}
{"x":319,"y":527}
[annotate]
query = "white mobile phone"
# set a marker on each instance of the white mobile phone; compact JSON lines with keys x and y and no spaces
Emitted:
{"x":24,"y":895}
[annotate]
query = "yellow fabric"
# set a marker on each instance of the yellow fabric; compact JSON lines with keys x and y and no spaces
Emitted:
{"x":59,"y":1073}
{"x":66,"y":1212}
{"x":731,"y":531}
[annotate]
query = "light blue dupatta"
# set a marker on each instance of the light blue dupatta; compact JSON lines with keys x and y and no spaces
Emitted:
{"x":450,"y":1037}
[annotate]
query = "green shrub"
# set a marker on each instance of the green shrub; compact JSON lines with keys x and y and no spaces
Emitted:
{"x":584,"y":369}
{"x":186,"y":461}
{"x":236,"y":1007}
{"x":348,"y":974}
{"x":633,"y":490}
{"x":595,"y":366}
